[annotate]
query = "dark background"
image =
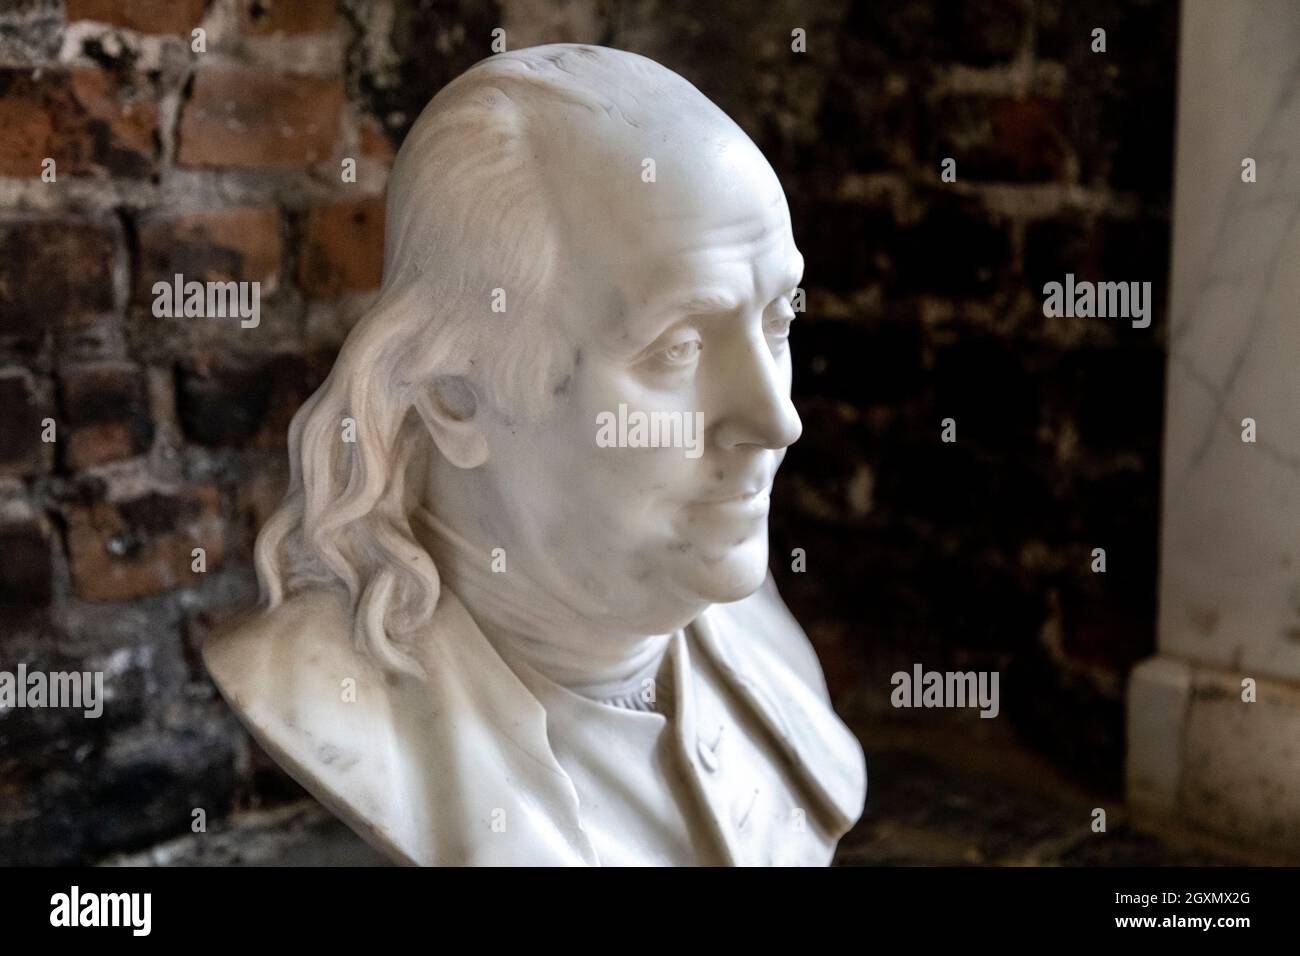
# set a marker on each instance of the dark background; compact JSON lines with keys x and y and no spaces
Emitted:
{"x":924,"y":302}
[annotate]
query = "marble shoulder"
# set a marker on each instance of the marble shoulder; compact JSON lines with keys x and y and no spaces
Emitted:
{"x":319,"y":708}
{"x":302,"y":642}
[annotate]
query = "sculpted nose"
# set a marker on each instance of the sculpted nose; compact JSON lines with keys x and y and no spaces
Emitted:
{"x":759,"y":410}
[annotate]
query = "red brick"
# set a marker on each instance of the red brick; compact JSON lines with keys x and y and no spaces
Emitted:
{"x":88,"y":121}
{"x":105,"y":413}
{"x":25,"y":572}
{"x":258,"y":498}
{"x":251,"y":119}
{"x":1002,"y":139}
{"x":241,"y":245}
{"x":375,"y":143}
{"x":242,"y":400}
{"x":1027,"y":134}
{"x":293,"y":17}
{"x":63,"y":275}
{"x":145,"y":16}
{"x":24,"y":404}
{"x":28,"y":122}
{"x":126,"y":549}
{"x":342,"y":249}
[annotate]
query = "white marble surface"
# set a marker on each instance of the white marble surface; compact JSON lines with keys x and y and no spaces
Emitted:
{"x":1230,"y":593}
{"x":1230,"y":562}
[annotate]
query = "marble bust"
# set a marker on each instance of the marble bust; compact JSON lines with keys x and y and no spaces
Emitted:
{"x":498,"y":628}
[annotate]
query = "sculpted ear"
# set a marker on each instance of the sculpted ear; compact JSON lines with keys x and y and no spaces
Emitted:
{"x":449,"y":410}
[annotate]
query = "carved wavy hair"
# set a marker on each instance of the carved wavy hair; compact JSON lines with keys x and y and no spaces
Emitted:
{"x":467,"y":212}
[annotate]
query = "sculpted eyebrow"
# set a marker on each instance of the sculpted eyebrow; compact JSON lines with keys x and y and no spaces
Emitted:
{"x":673,"y":310}
{"x":674,"y":313}
{"x":707,"y":302}
{"x":704,"y":302}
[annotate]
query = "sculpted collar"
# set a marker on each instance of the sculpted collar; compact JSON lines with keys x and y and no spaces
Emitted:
{"x":423,"y":769}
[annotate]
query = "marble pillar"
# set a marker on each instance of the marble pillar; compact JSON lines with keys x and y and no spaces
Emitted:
{"x":1230,"y":568}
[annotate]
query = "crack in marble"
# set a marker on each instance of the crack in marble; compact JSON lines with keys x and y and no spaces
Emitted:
{"x":1221,"y":392}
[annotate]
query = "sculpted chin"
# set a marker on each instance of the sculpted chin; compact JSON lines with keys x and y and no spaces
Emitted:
{"x":491,"y":633}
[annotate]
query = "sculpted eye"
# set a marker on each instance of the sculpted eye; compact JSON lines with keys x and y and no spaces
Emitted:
{"x":776,"y":324}
{"x":680,"y":353}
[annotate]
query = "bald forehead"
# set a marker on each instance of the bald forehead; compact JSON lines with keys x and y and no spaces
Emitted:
{"x":652,"y":187}
{"x":695,"y":180}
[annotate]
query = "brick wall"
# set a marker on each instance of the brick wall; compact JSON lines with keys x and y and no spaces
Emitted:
{"x":923,"y":304}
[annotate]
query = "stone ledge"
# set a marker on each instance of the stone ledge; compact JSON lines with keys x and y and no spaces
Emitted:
{"x":1200,"y":754}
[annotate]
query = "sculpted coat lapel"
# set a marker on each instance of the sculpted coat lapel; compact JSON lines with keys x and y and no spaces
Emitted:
{"x":423,"y":768}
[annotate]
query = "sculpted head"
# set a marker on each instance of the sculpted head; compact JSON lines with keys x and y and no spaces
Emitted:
{"x":569,"y":230}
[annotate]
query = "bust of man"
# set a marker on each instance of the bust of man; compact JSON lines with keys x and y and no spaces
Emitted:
{"x":516,"y":600}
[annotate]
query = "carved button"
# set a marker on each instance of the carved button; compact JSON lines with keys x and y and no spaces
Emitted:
{"x":709,"y":755}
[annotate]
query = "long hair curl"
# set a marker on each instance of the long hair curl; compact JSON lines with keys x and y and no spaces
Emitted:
{"x":467,"y":213}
